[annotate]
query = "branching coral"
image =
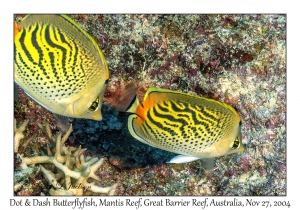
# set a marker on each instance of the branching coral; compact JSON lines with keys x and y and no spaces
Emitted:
{"x":68,"y":170}
{"x":19,"y":133}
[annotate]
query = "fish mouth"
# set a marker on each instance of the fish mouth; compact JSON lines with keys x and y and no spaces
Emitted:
{"x":241,"y":148}
{"x":92,"y":114}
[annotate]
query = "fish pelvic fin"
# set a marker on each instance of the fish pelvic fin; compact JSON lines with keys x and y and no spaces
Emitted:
{"x":183,"y":159}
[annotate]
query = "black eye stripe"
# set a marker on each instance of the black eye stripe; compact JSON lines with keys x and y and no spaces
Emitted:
{"x":94,"y":105}
{"x":236,"y":143}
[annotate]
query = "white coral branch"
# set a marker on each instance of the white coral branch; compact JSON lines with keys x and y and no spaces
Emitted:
{"x":107,"y":190}
{"x":74,"y":168}
{"x":49,"y":176}
{"x":19,"y":133}
{"x":66,"y":170}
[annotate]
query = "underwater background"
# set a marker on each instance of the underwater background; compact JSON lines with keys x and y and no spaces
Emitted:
{"x":237,"y":59}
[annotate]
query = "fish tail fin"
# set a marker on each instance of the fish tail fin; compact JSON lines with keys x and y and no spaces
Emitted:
{"x":133,"y":106}
{"x":127,"y":99}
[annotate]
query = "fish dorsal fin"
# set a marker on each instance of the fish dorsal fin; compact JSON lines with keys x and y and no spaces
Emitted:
{"x":154,"y":95}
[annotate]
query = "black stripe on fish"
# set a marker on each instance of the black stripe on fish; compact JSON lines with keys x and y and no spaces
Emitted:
{"x":64,"y":40}
{"x":205,"y":113}
{"x":24,"y":48}
{"x":169,"y":117}
{"x":37,"y":47}
{"x":53,"y":45}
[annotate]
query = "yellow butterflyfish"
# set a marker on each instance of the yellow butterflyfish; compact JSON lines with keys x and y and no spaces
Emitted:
{"x":192,"y":126}
{"x":60,"y":66}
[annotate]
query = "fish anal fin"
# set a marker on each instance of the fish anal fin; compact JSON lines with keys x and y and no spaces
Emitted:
{"x":183,"y":159}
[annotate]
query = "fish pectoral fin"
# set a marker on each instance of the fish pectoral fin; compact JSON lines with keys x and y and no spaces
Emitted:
{"x":183,"y":159}
{"x":62,"y":122}
{"x":209,"y":164}
{"x":15,"y":91}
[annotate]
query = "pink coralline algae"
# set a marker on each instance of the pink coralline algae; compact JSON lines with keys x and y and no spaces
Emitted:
{"x":244,"y":163}
{"x":237,"y":59}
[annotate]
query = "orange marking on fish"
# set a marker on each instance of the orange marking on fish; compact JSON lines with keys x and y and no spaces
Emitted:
{"x":140,"y":111}
{"x":16,"y":29}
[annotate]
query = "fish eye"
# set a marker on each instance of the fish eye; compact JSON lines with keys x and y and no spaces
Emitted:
{"x":235,"y":144}
{"x":93,"y":107}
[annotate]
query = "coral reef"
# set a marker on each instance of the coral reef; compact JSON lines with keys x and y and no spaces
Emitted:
{"x":237,"y":59}
{"x":111,"y":138}
{"x":74,"y":171}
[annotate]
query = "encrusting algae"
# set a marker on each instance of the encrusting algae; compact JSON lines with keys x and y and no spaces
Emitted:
{"x":65,"y":167}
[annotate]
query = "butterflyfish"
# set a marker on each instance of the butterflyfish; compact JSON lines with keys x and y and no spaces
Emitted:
{"x":192,"y":126}
{"x":59,"y":65}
